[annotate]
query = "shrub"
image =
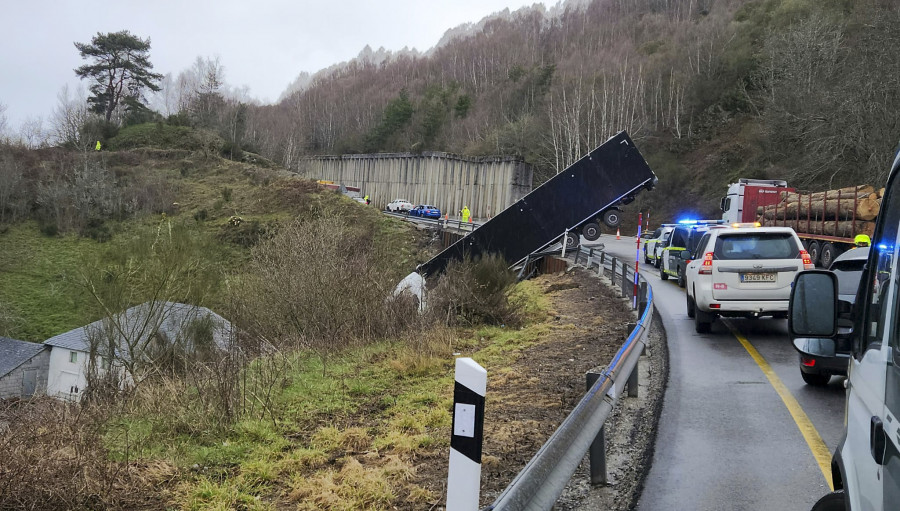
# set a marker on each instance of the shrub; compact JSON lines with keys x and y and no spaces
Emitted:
{"x":475,"y":291}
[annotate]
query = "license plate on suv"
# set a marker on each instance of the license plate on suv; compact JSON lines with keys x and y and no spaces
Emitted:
{"x":758,"y":277}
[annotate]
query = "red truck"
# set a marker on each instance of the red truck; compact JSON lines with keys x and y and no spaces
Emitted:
{"x":827,"y":222}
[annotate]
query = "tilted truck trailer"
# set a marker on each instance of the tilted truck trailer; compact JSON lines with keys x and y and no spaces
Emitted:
{"x":827,"y":222}
{"x":574,"y":202}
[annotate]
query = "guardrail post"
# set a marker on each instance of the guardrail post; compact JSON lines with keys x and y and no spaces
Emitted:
{"x":612,"y":276}
{"x":577,"y":253}
{"x":624,"y":279}
{"x":632,"y":382}
{"x":590,"y":258}
{"x":597,"y":450}
{"x":642,"y":297}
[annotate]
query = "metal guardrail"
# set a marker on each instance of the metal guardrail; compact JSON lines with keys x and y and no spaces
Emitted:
{"x":546,"y":475}
{"x":457,"y":223}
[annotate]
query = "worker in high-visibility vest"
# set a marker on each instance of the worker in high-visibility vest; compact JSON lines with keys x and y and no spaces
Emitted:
{"x":465,"y":214}
{"x":97,"y":147}
{"x":862,"y":240}
{"x":366,"y":198}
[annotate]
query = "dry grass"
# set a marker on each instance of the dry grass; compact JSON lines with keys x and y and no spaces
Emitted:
{"x":53,"y":458}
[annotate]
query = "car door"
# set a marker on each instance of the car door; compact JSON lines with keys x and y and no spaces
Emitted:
{"x":693,"y":267}
{"x":870,"y":450}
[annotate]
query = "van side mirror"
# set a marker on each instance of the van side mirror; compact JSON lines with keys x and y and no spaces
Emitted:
{"x":686,"y":255}
{"x":813,"y":309}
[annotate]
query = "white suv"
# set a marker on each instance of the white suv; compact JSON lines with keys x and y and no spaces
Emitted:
{"x":399,"y":206}
{"x":743,"y":271}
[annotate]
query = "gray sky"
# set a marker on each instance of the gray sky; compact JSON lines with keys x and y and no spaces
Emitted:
{"x":263,"y":44}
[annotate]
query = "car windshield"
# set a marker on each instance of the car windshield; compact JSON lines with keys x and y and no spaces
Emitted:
{"x":757,"y":245}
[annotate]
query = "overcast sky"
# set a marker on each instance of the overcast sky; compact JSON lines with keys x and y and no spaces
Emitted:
{"x":263,"y":44}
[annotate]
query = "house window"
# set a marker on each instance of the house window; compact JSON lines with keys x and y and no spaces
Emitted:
{"x":73,"y":356}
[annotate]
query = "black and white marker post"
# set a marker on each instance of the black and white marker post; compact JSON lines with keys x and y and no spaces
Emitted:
{"x":464,"y":475}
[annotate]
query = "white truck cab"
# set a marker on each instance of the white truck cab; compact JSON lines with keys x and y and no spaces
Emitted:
{"x":866,"y":464}
{"x":743,"y":197}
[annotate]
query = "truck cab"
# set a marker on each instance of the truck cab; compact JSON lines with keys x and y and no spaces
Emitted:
{"x":866,"y":464}
{"x":745,"y":196}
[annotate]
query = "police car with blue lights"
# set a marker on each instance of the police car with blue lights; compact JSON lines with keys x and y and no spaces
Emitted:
{"x":680,"y":246}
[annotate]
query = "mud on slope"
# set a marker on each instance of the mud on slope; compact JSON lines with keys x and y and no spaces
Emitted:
{"x":525,"y":405}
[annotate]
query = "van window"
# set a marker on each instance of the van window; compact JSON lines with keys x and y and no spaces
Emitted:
{"x":756,"y":245}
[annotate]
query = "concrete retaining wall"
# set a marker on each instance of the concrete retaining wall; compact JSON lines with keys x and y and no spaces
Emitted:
{"x":486,"y":185}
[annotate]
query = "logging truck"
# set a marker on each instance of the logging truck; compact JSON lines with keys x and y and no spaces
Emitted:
{"x":826,"y":221}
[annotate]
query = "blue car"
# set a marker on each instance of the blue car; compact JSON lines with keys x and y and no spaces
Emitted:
{"x":425,"y":211}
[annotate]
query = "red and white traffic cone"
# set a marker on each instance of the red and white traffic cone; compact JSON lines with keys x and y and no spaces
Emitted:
{"x":618,"y":235}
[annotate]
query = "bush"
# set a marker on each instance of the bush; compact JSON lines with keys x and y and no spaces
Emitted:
{"x":54,"y":458}
{"x":164,"y":136}
{"x":96,"y":228}
{"x":475,"y":292}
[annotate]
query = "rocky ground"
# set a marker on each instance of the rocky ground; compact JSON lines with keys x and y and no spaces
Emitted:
{"x":590,"y":323}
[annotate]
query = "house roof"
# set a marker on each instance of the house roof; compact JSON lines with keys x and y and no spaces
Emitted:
{"x":168,"y":318}
{"x":14,"y":353}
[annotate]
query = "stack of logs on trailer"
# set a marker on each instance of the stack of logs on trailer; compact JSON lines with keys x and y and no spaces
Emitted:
{"x":842,"y":213}
{"x":827,"y":222}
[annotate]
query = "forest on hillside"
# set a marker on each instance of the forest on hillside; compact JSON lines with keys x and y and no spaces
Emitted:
{"x":711,"y":90}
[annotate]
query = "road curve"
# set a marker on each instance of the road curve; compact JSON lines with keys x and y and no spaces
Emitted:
{"x":726,"y":438}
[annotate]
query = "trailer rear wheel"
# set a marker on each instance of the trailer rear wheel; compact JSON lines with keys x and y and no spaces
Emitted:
{"x":591,"y":231}
{"x":814,"y":250}
{"x":612,"y":218}
{"x":829,"y":252}
{"x":572,"y":240}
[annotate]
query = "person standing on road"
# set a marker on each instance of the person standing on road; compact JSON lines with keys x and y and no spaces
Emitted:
{"x":465,"y":214}
{"x":97,"y":147}
{"x":366,"y":198}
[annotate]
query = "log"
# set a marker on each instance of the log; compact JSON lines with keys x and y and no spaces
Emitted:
{"x":866,"y":208}
{"x":844,"y":193}
{"x":843,"y":229}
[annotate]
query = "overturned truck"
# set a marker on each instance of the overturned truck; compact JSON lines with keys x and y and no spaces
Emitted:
{"x":572,"y":203}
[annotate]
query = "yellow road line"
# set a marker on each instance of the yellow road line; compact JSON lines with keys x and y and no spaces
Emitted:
{"x":810,"y":434}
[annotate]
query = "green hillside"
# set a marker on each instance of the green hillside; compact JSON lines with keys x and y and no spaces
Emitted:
{"x":112,"y":205}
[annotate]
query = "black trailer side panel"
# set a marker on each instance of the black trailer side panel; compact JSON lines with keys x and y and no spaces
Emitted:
{"x":597,"y":181}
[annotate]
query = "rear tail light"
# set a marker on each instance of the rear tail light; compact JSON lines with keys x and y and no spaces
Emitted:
{"x":706,"y":267}
{"x":715,"y":306}
{"x":807,"y":261}
{"x":808,"y":361}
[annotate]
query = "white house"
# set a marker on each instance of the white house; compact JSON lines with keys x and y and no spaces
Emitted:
{"x":164,"y":321}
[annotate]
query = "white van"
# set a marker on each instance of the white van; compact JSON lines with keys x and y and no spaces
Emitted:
{"x":866,"y":464}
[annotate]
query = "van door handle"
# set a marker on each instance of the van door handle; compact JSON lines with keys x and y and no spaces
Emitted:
{"x":877,"y":440}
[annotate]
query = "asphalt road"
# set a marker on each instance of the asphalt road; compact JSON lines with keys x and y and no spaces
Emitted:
{"x":727,"y":438}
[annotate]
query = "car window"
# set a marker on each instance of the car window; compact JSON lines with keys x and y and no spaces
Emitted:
{"x":704,"y":240}
{"x":694,"y":240}
{"x":679,"y":237}
{"x":756,"y":245}
{"x":848,"y":273}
